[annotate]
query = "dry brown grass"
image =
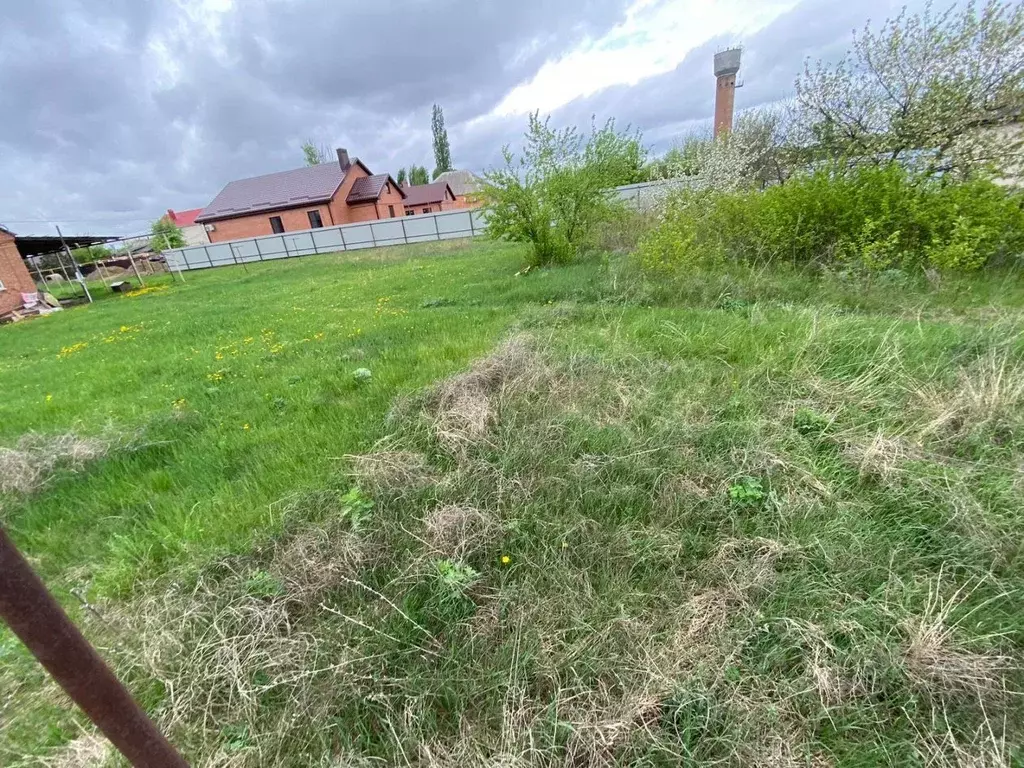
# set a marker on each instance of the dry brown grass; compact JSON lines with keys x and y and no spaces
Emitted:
{"x":317,"y":559}
{"x":882,"y":457}
{"x":987,"y":747}
{"x":464,"y":406}
{"x":937,"y":660}
{"x":455,"y":530}
{"x":988,"y":392}
{"x":36,"y":457}
{"x":391,"y":473}
{"x":90,"y":750}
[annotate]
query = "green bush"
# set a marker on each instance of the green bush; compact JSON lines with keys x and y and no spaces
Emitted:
{"x":556,"y":194}
{"x":871,"y":218}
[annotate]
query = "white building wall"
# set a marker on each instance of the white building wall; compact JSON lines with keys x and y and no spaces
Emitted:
{"x":195,"y":235}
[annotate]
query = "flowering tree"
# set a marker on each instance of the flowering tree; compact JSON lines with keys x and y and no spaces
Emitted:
{"x":933,"y":91}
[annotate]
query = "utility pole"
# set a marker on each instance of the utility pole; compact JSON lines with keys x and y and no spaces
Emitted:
{"x":78,"y":273}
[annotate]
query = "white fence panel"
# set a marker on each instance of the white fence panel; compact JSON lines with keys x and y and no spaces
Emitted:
{"x":299,"y":244}
{"x":421,"y":228}
{"x":388,"y":232}
{"x":271,"y":247}
{"x":327,"y":240}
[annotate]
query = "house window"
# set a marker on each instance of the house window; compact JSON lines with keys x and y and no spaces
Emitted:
{"x":426,"y":210}
{"x":276,"y":225}
{"x":410,"y":212}
{"x":391,"y":211}
{"x":314,"y":219}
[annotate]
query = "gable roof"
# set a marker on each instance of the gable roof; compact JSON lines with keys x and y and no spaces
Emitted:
{"x":366,"y":189}
{"x":183,"y":218}
{"x":274,"y":191}
{"x":425,"y":194}
{"x":461,"y":182}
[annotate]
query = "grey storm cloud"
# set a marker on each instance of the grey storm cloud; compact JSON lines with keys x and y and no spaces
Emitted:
{"x":117,"y":110}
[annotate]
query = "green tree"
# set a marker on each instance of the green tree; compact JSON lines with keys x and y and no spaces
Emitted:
{"x":938,"y":91}
{"x":313,"y":153}
{"x":418,"y":175}
{"x":402,"y":176}
{"x":165,"y":234}
{"x":560,"y":188}
{"x":442,"y":150}
{"x":90,"y":253}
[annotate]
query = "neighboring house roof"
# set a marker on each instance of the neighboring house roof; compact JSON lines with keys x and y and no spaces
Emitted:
{"x":462,"y":182}
{"x":274,"y":191}
{"x":183,"y":218}
{"x":425,"y":194}
{"x":366,"y":189}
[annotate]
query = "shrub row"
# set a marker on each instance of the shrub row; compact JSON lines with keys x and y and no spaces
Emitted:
{"x":869,"y":217}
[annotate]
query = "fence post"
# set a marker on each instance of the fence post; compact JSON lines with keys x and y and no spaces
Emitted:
{"x":472,"y":228}
{"x":41,"y":624}
{"x":180,"y":251}
{"x":405,"y":235}
{"x":341,"y":231}
{"x":207,"y":250}
{"x":437,"y":232}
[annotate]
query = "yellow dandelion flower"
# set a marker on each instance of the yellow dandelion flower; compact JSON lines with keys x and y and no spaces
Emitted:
{"x":49,"y":398}
{"x":245,"y":427}
{"x":505,"y":559}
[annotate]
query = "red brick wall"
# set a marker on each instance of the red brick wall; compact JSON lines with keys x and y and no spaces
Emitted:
{"x":336,"y":212}
{"x":13,"y":274}
{"x":258,"y":224}
{"x":340,"y":210}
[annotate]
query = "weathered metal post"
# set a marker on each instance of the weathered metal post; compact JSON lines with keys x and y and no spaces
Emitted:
{"x":41,"y":624}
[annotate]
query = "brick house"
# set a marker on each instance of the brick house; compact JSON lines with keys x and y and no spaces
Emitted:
{"x":194,"y":233}
{"x":429,"y":198}
{"x":324,"y":195}
{"x":14,"y":275}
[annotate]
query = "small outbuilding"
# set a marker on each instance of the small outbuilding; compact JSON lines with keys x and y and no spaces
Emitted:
{"x":14,"y":275}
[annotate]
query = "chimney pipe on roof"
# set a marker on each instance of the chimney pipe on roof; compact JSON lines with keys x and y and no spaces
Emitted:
{"x":170,"y":214}
{"x":343,"y":160}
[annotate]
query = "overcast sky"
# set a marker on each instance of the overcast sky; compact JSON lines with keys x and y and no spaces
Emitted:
{"x":115,"y":110}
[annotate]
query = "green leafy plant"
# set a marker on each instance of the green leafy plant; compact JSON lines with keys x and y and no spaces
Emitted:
{"x":807,"y":422}
{"x":356,"y":508}
{"x":748,"y":492}
{"x":557,"y":191}
{"x":454,"y":576}
{"x":362,"y":375}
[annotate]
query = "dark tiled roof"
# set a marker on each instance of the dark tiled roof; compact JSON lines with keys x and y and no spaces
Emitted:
{"x":425,"y":194}
{"x":314,"y":184}
{"x":366,"y":189}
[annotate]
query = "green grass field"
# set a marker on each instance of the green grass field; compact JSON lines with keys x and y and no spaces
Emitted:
{"x":573,"y":518}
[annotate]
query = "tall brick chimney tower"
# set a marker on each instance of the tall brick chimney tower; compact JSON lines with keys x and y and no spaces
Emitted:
{"x":727,"y":64}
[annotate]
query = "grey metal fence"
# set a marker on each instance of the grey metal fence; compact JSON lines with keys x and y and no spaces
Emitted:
{"x":421,"y":228}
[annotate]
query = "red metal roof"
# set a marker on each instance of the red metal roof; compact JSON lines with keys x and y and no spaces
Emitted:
{"x":184,"y":218}
{"x":425,"y":194}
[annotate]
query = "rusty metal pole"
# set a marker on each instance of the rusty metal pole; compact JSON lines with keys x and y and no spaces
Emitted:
{"x":41,"y":624}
